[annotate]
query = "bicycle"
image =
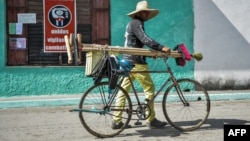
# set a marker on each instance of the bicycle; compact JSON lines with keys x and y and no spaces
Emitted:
{"x":185,"y":103}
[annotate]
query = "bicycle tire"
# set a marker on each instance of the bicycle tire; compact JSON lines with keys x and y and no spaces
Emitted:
{"x":96,"y":116}
{"x":192,"y":115}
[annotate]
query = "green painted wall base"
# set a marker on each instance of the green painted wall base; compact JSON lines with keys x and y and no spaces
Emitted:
{"x":17,"y":81}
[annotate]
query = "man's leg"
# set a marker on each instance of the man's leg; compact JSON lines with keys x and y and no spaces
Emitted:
{"x":148,"y":86}
{"x":149,"y":89}
{"x":121,"y":99}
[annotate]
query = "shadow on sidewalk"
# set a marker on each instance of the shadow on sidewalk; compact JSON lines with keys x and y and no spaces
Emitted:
{"x":219,"y":123}
{"x":210,"y":124}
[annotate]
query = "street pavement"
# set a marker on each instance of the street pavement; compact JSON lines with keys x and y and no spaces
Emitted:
{"x":56,"y":123}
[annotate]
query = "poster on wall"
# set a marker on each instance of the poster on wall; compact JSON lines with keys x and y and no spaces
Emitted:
{"x":59,"y":20}
{"x":26,"y":18}
{"x":15,"y":28}
{"x":17,"y":43}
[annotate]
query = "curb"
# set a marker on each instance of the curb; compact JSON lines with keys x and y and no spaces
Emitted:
{"x":67,"y":100}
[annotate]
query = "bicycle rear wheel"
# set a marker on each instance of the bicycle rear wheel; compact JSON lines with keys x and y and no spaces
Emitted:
{"x":186,"y":106}
{"x":96,"y":110}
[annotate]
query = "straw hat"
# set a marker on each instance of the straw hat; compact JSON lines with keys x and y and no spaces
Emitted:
{"x":143,"y":6}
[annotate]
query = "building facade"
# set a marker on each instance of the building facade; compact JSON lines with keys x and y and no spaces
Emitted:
{"x":32,"y":71}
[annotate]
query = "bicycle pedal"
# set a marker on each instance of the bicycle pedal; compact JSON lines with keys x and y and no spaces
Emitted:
{"x":138,"y":123}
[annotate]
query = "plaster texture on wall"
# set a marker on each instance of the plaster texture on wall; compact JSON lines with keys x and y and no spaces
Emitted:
{"x":43,"y":81}
{"x":3,"y":32}
{"x":221,"y":34}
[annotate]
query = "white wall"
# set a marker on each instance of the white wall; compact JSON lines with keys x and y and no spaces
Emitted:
{"x":222,"y":34}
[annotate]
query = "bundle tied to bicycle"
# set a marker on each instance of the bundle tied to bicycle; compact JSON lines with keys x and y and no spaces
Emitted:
{"x":180,"y":52}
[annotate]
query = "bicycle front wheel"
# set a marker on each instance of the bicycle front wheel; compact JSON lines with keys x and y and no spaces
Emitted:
{"x":97,"y":107}
{"x":186,"y":105}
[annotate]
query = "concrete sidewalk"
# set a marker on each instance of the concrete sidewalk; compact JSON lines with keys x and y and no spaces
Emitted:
{"x":67,"y":100}
{"x":57,"y":123}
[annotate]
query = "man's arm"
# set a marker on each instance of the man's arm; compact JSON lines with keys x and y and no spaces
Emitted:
{"x":139,"y":32}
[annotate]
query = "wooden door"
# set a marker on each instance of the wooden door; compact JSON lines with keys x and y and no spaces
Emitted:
{"x":17,"y":54}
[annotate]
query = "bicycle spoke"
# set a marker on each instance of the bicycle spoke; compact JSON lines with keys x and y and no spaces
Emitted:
{"x":188,"y":107}
{"x":97,"y":107}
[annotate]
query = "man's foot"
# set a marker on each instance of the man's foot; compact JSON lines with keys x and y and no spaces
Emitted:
{"x":118,"y":125}
{"x":156,"y":124}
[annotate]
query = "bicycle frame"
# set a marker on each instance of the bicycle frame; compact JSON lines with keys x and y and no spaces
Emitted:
{"x":169,"y":80}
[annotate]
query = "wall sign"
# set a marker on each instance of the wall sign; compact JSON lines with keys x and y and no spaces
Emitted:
{"x":27,"y":18}
{"x":59,"y":21}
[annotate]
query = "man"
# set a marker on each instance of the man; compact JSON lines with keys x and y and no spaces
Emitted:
{"x":135,"y":37}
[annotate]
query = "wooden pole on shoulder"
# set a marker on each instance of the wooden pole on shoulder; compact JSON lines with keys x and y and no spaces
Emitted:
{"x":132,"y":51}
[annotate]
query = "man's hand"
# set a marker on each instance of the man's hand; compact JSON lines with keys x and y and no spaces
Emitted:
{"x":166,"y":50}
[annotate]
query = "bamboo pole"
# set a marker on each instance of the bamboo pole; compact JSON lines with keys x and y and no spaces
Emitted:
{"x":132,"y":51}
{"x":114,"y":49}
{"x":68,"y":47}
{"x":79,"y":39}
